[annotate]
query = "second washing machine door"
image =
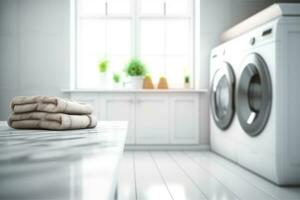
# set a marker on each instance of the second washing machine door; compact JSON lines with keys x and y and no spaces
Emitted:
{"x":254,"y":95}
{"x":222,"y":95}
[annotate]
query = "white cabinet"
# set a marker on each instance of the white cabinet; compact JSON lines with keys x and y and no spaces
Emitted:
{"x":152,"y":125}
{"x":90,"y":98}
{"x":153,"y":118}
{"x":120,"y":107}
{"x":184,"y":119}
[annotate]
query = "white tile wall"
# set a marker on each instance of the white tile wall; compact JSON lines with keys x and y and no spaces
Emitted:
{"x":9,"y":69}
{"x":34,"y":49}
{"x":8,"y":17}
{"x":218,"y":16}
{"x":215,"y":15}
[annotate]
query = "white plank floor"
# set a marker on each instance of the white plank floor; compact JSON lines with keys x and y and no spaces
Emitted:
{"x":189,"y":175}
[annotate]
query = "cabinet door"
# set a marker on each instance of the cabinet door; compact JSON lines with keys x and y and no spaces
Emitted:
{"x":90,"y":98}
{"x":120,"y":107}
{"x":184,"y":118}
{"x":152,"y":119}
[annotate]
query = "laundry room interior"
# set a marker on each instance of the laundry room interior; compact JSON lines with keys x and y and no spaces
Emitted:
{"x":149,"y":99}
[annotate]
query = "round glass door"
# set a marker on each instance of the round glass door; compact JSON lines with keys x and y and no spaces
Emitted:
{"x":254,"y":95}
{"x":222,"y":95}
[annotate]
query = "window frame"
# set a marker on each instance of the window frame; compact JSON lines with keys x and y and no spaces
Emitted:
{"x":135,"y":16}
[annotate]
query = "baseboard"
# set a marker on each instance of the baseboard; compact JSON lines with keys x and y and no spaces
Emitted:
{"x":167,"y":147}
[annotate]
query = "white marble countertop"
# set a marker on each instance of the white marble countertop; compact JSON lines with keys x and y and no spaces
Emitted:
{"x":135,"y":90}
{"x":68,"y":165}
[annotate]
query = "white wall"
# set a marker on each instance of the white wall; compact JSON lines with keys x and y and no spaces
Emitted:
{"x":34,"y":49}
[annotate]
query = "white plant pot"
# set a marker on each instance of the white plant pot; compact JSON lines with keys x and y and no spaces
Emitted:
{"x":103,"y":80}
{"x":137,"y":82}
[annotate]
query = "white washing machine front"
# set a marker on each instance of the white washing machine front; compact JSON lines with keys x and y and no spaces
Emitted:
{"x":270,"y":147}
{"x":256,"y":113}
{"x":224,"y":125}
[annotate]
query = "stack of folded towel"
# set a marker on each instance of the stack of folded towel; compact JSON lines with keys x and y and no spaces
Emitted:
{"x":46,"y":112}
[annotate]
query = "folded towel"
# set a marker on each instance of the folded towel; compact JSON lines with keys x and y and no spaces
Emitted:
{"x":52,"y":121}
{"x":22,"y":104}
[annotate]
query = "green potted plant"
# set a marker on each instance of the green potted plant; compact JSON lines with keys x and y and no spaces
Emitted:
{"x":187,"y":82}
{"x":136,"y":70}
{"x":102,"y":68}
{"x":117,"y":80}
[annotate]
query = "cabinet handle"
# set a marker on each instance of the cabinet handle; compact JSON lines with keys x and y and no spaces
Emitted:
{"x":138,"y":101}
{"x":106,"y":8}
{"x":130,"y":101}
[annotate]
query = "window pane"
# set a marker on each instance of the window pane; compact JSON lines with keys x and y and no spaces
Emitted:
{"x":87,"y":71}
{"x":176,"y":67}
{"x":152,"y":7}
{"x":119,"y":7}
{"x":152,"y":37}
{"x":92,"y":37}
{"x":119,"y":37}
{"x":155,"y":67}
{"x":177,"y":37}
{"x":117,"y":64}
{"x":91,"y":7}
{"x":164,"y":44}
{"x":177,"y":7}
{"x":91,"y":49}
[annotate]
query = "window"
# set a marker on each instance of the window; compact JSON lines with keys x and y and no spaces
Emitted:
{"x":159,"y":32}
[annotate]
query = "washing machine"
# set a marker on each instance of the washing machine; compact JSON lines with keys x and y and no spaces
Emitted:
{"x":224,"y":124}
{"x":267,"y":99}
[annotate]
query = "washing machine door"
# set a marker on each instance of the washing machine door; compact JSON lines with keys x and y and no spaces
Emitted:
{"x":254,"y":95}
{"x":222,"y":95}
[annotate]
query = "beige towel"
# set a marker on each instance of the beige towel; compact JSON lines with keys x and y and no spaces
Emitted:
{"x":52,"y":121}
{"x":22,"y":104}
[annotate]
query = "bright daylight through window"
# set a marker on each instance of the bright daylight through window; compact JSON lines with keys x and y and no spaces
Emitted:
{"x":157,"y":32}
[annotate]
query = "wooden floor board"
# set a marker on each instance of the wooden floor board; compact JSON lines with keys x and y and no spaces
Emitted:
{"x":126,"y":184}
{"x":149,"y":183}
{"x":210,"y":186}
{"x":179,"y":185}
{"x":192,"y":175}
{"x":291,"y":193}
{"x":238,"y":186}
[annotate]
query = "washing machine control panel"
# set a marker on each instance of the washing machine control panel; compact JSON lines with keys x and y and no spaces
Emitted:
{"x":261,"y":36}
